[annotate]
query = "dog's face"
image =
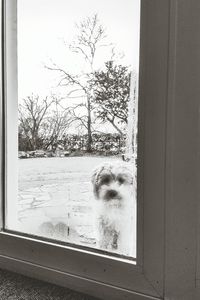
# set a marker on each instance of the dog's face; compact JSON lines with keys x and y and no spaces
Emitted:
{"x":112,"y":181}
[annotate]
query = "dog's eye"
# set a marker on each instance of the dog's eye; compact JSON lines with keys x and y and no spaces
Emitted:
{"x":105,"y":180}
{"x":121,"y":180}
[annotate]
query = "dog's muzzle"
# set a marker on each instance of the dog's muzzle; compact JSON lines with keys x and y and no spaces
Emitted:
{"x":111,"y":194}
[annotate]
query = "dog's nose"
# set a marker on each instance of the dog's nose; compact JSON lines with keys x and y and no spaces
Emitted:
{"x":111,"y":194}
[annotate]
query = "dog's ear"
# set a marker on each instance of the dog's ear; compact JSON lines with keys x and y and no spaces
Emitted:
{"x":95,"y":179}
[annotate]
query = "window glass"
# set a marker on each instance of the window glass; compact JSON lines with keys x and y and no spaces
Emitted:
{"x":77,"y":82}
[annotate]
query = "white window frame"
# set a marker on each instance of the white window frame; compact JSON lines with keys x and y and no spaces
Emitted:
{"x":167,"y":172}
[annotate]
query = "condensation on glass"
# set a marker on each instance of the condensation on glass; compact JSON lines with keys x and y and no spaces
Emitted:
{"x":72,"y":92}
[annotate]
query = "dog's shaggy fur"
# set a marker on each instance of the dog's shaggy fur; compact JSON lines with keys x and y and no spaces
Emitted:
{"x":113,"y":186}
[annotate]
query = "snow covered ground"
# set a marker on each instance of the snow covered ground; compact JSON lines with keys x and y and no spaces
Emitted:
{"x":55,"y":198}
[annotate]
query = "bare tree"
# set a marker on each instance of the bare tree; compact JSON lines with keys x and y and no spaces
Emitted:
{"x":90,"y":37}
{"x":55,"y":125}
{"x":41,"y":121}
{"x":32,"y":111}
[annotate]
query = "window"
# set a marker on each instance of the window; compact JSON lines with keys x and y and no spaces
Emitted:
{"x":77,"y":79}
{"x":165,"y":267}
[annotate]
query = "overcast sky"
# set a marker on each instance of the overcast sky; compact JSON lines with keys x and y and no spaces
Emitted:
{"x":43,"y":25}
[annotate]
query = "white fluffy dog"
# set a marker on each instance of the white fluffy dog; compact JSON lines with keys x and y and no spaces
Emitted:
{"x":114,"y":188}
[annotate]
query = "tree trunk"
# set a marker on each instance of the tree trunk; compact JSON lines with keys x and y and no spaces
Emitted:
{"x":115,"y":126}
{"x":89,"y":123}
